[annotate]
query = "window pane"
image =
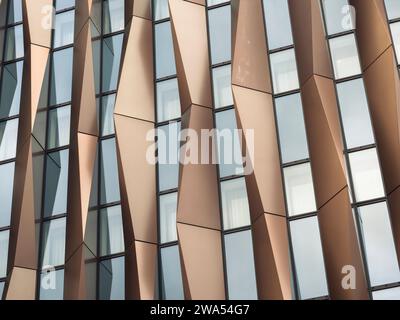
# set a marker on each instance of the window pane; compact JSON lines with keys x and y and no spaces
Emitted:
{"x":96,"y":53}
{"x":111,"y":231}
{"x":278,"y":23}
{"x":222,"y":86}
{"x":107,"y":111}
{"x":53,"y":243}
{"x":56,"y":183}
{"x":4,"y":237}
{"x":165,"y":59}
{"x":6,"y":193}
{"x":1,"y":288}
{"x":366,"y":173}
{"x":241,"y":276}
{"x":336,"y":16}
{"x":345,"y":56}
{"x":11,"y":89}
{"x":52,"y":285}
{"x":64,"y":29}
{"x":14,"y":13}
{"x":229,"y":148}
{"x":308,"y":258}
{"x":8,"y":139}
{"x":219,"y":20}
{"x":112,"y":279}
{"x":113,"y":15}
{"x":109,"y":172}
{"x":388,"y":294}
{"x":160,"y":9}
{"x":168,"y":209}
{"x":112,"y":47}
{"x":172,"y":288}
{"x":292,"y":132}
{"x":168,"y":156}
{"x":355,"y":115}
{"x":284,"y":71}
{"x":168,"y":103}
{"x":14,"y":43}
{"x":299,"y":189}
{"x":215,"y":2}
{"x":61,"y":77}
{"x":393,"y":8}
{"x":379,"y":246}
{"x":395,"y":27}
{"x":59,"y":127}
{"x":63,"y":4}
{"x":235,"y":205}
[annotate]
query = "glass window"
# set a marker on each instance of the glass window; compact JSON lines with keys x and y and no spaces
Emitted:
{"x":168,"y":156}
{"x":96,"y":53}
{"x":308,"y":258}
{"x":8,"y":139}
{"x":160,"y":9}
{"x":113,"y":15}
{"x":165,"y":59}
{"x":64,"y":29}
{"x":61,"y":77}
{"x":222,"y":86}
{"x":168,"y":209}
{"x":215,"y":2}
{"x":291,"y":127}
{"x":11,"y":89}
{"x":107,"y":111}
{"x":63,"y":4}
{"x":111,"y":231}
{"x":345,"y":56}
{"x":52,"y":285}
{"x":4,"y":237}
{"x":219,"y":21}
{"x":393,"y":9}
{"x":388,"y":294}
{"x":299,"y":189}
{"x":366,"y":173}
{"x":284,"y":71}
{"x":278,"y":23}
{"x":229,"y":147}
{"x":240,"y":271}
{"x":112,"y":279}
{"x":395,"y":27}
{"x":53,"y":243}
{"x":355,"y":115}
{"x":172,"y":287}
{"x":6,"y":193}
{"x":56,"y":183}
{"x":14,"y":43}
{"x":14,"y":14}
{"x":337,"y":16}
{"x":109,"y":191}
{"x":379,"y":245}
{"x":168,"y":103}
{"x":59,"y":127}
{"x":112,"y":47}
{"x":235,"y":205}
{"x":1,"y":288}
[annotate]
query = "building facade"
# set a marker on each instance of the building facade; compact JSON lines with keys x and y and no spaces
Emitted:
{"x":102,"y":103}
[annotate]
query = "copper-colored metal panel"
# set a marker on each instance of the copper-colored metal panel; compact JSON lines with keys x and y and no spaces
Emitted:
{"x":249,"y":66}
{"x":137,"y":178}
{"x":372,"y":30}
{"x":136,"y":85}
{"x":201,"y":259}
{"x":394,"y":203}
{"x":21,"y":285}
{"x":198,"y":181}
{"x":255,"y":112}
{"x":37,"y":26}
{"x":74,"y":274}
{"x":189,"y":28}
{"x":138,"y":8}
{"x":324,"y":136}
{"x":309,"y":39}
{"x":340,"y":247}
{"x":271,"y":255}
{"x":3,"y":21}
{"x":146,"y":255}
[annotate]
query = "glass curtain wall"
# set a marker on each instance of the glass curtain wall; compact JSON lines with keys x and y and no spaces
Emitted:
{"x":393,"y":15}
